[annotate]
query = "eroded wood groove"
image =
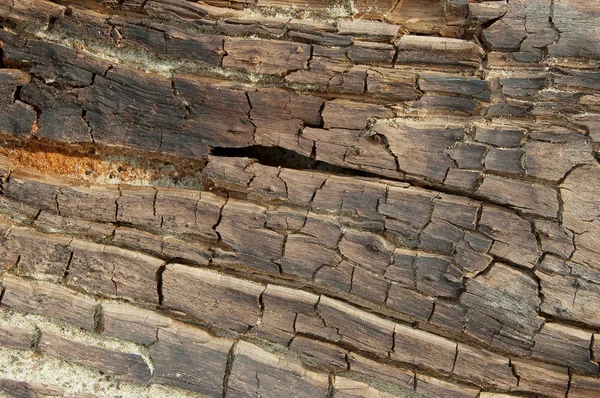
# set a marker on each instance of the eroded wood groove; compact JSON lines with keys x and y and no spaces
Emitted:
{"x":366,"y":198}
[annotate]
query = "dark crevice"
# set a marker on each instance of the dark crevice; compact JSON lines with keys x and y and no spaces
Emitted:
{"x":415,"y":380}
{"x":321,"y":122}
{"x":159,"y":283}
{"x":330,"y":386}
{"x":551,"y":22}
{"x":228,"y":366}
{"x":257,"y":385}
{"x":17,"y":262}
{"x":514,"y":371}
{"x":117,"y":204}
{"x":219,"y":219}
{"x":592,"y":354}
{"x":57,"y":204}
{"x":455,"y":359}
{"x":281,"y":157}
{"x":112,"y":279}
{"x":37,"y":216}
{"x":310,"y":57}
{"x":393,"y":343}
{"x":87,"y":123}
{"x":569,"y":383}
{"x":434,"y":304}
{"x":395,"y":58}
{"x":52,"y":22}
{"x":67,"y":268}
{"x":313,"y":152}
{"x":249,"y":115}
{"x":262,"y":306}
{"x":280,"y":261}
{"x":17,"y":96}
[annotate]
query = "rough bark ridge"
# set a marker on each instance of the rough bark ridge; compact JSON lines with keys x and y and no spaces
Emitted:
{"x":263,"y":198}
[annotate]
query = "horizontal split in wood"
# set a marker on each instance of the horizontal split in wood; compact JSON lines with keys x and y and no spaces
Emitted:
{"x":247,"y":198}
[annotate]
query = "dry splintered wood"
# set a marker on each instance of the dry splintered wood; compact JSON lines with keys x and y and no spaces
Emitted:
{"x":369,"y":199}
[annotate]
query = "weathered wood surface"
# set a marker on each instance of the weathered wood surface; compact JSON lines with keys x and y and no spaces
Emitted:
{"x":374,"y":199}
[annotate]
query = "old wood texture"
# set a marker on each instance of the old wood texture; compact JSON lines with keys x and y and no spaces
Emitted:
{"x":262,"y":198}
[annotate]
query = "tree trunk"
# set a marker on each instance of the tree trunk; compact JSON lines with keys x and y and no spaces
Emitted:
{"x":266,"y":198}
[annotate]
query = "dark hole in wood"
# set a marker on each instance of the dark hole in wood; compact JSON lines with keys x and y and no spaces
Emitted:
{"x":281,"y":157}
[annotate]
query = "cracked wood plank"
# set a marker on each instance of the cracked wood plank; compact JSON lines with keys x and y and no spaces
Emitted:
{"x":129,"y":367}
{"x":45,"y":299}
{"x":258,"y":372}
{"x":374,"y":198}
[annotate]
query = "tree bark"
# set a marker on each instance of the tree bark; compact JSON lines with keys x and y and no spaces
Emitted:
{"x":371,"y":198}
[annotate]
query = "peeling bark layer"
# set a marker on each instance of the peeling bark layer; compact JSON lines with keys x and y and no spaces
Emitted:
{"x":225,"y":198}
